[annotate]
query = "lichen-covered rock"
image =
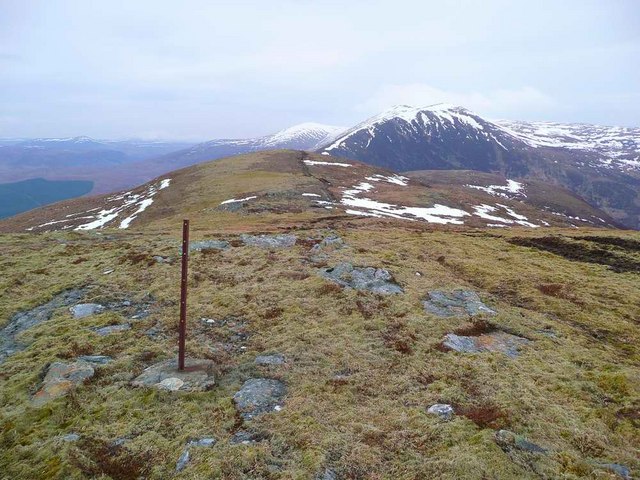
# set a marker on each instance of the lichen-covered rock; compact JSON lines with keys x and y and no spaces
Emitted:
{"x":60,"y":378}
{"x":455,"y":304}
{"x":198,"y":375}
{"x":508,"y":441}
{"x":83,"y":310}
{"x":269,"y":241}
{"x":376,"y":280}
{"x":208,"y":245}
{"x":442,"y":410}
{"x":258,"y":396}
{"x":275,"y":359}
{"x":487,"y":342}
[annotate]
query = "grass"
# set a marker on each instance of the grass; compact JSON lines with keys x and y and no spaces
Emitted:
{"x":361,"y":368}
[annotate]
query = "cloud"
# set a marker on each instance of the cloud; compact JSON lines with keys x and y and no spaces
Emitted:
{"x":501,"y":102}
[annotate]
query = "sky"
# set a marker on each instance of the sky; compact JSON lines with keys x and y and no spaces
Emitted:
{"x":196,"y":70}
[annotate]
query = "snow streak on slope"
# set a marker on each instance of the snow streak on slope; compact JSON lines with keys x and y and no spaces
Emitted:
{"x":512,"y":189}
{"x":128,"y":205}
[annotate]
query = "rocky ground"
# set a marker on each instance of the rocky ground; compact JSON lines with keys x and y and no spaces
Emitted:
{"x":321,"y":353}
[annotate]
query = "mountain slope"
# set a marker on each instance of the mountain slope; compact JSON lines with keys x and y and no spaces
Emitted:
{"x":597,"y":163}
{"x":302,"y":186}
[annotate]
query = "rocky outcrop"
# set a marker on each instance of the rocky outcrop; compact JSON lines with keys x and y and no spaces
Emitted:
{"x":258,"y":396}
{"x":455,"y":304}
{"x":376,"y":280}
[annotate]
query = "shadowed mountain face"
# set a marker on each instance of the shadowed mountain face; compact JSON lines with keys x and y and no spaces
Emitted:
{"x":598,"y":163}
{"x":19,"y":197}
{"x":298,"y":186}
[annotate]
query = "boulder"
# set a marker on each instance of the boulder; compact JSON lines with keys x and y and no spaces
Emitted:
{"x":269,"y":241}
{"x":197,"y":376}
{"x":258,"y":396}
{"x":497,"y":341}
{"x":455,"y":304}
{"x":83,"y":310}
{"x":60,"y":378}
{"x":442,"y":410}
{"x":376,"y":280}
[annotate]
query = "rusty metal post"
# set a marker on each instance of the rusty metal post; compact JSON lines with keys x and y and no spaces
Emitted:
{"x":182,"y":328}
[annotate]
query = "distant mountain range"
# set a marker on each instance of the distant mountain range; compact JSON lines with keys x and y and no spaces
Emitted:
{"x":601,"y":164}
{"x":305,"y":136}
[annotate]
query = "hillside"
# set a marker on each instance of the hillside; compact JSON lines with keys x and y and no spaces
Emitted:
{"x":399,"y":343}
{"x":306,"y":187}
{"x":599,"y":164}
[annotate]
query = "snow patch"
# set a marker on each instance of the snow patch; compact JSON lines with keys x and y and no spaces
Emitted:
{"x":332,"y":164}
{"x":512,"y":188}
{"x":235,"y":200}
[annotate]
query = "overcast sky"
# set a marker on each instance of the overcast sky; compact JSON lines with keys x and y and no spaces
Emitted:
{"x":195,"y":70}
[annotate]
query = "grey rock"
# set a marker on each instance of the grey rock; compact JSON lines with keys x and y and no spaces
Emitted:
{"x":258,"y":396}
{"x":70,"y":437}
{"x":186,"y":455}
{"x":172,"y":384}
{"x":161,"y":259}
{"x":442,"y":410}
{"x":95,"y":359}
{"x":109,"y":329}
{"x":269,"y":241}
{"x":275,"y":359}
{"x":83,"y":310}
{"x":183,"y":460}
{"x":208,"y":245}
{"x":118,"y":442}
{"x":202,"y":442}
{"x":245,"y":437}
{"x":455,"y":304}
{"x":510,"y":441}
{"x":22,"y":321}
{"x":198,"y":375}
{"x":487,"y":342}
{"x":328,"y":474}
{"x":620,"y":470}
{"x":375,"y":280}
{"x":330,"y":242}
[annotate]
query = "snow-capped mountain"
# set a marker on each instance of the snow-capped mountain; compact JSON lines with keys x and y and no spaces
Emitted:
{"x":602,"y":164}
{"x":615,"y":147}
{"x":305,"y":136}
